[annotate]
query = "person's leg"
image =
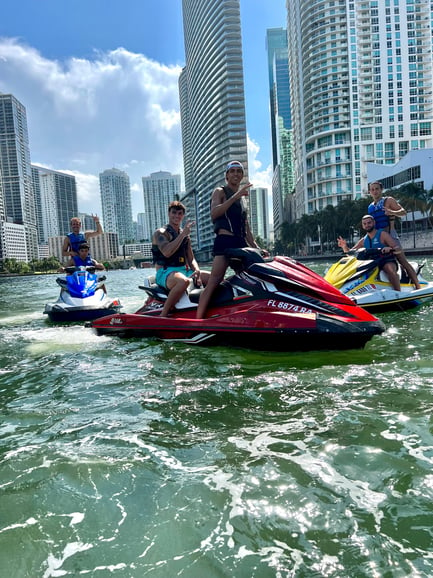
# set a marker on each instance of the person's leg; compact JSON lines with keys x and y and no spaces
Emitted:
{"x":177,"y":284}
{"x":204,"y":276}
{"x":401,"y":257}
{"x":390,"y":269}
{"x":219,"y":267}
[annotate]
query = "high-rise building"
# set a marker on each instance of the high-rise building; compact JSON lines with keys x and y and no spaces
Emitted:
{"x":142,"y":228}
{"x":116,"y":204}
{"x":56,"y":202}
{"x":212,"y":106}
{"x":281,"y":125}
{"x":361,"y":90}
{"x":18,"y":204}
{"x":259,"y":213}
{"x":159,"y":189}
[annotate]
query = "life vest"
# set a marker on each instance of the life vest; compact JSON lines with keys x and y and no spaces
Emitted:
{"x":375,"y":242}
{"x":79,"y":262}
{"x":178,"y":259}
{"x":234,"y":219}
{"x":76,"y":240}
{"x":377,"y":211}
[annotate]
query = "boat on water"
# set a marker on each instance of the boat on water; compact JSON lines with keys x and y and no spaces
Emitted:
{"x":361,"y":277}
{"x":83,"y":297}
{"x":278,"y":305}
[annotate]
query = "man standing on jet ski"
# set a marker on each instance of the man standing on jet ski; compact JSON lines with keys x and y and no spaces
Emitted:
{"x":174,"y":258}
{"x":377,"y":239}
{"x":384,"y":210}
{"x":229,"y":216}
{"x":73,"y":239}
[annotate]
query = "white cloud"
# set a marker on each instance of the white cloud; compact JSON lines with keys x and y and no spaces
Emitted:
{"x":118,"y":109}
{"x":259,"y":176}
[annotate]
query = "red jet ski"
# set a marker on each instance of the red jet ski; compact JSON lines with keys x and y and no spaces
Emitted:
{"x":276,"y":305}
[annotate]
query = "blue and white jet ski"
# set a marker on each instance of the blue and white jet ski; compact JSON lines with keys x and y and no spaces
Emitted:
{"x":82,"y":297}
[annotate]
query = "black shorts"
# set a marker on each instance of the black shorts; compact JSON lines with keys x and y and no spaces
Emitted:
{"x":224,"y":242}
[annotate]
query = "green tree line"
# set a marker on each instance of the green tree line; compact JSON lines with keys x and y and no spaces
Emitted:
{"x":345,"y":220}
{"x":48,"y":265}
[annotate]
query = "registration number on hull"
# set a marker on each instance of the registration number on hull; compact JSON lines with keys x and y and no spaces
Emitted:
{"x":283,"y":305}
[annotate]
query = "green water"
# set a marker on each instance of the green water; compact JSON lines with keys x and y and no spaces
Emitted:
{"x":140,"y":458}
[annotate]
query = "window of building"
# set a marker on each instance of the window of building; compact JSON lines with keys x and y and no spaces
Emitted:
{"x":425,"y":128}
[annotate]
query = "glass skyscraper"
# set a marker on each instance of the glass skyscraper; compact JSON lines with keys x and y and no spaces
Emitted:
{"x":212,"y":106}
{"x":281,"y":125}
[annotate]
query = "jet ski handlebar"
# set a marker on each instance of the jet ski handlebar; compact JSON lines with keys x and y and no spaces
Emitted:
{"x":373,"y":254}
{"x":88,"y":268}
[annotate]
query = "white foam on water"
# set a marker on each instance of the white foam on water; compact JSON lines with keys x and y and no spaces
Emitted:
{"x":54,"y":564}
{"x":69,"y":338}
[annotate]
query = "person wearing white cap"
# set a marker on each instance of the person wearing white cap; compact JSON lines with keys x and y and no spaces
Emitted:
{"x":230,"y":220}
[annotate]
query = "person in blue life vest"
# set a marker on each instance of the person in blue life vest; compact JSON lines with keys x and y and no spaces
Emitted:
{"x":173,"y":257}
{"x":377,"y":239}
{"x":230,"y":219}
{"x":83,"y":259}
{"x":73,"y":239}
{"x":384,"y":211}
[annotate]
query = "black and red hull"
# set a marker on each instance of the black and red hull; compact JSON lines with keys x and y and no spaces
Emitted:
{"x":278,"y":306}
{"x":319,"y":334}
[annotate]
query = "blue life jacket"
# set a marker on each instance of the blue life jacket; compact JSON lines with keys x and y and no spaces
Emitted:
{"x":76,"y":240}
{"x":377,"y":211}
{"x":79,"y":262}
{"x":375,"y":242}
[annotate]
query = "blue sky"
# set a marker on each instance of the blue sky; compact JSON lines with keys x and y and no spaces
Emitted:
{"x":99,"y":81}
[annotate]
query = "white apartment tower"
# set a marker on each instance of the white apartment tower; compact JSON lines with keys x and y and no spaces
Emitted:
{"x":17,"y":204}
{"x":361,"y":91}
{"x":55,"y":200}
{"x":159,"y":189}
{"x":116,"y":204}
{"x":212,"y":106}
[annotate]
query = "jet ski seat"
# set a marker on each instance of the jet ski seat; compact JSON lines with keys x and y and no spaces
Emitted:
{"x":222,"y":294}
{"x":404,"y":278}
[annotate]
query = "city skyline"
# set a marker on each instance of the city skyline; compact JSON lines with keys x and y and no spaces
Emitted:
{"x":361,"y":93}
{"x":108,"y":95}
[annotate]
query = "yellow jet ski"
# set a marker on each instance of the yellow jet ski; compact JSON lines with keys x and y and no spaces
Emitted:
{"x":361,"y":277}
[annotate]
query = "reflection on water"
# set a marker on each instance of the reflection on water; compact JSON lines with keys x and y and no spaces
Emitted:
{"x":140,"y":458}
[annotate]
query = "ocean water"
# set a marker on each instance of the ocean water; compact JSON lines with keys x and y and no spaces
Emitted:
{"x":136,"y":458}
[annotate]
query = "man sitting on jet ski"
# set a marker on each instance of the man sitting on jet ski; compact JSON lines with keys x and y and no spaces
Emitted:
{"x":377,"y":239}
{"x":83,"y":259}
{"x":173,"y":257}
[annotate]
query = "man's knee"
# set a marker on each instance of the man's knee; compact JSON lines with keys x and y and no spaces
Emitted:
{"x":180,"y":282}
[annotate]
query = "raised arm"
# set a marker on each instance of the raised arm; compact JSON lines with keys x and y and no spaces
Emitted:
{"x":220,"y":204}
{"x":90,"y":234}
{"x":167,"y":247}
{"x":343,"y":244}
